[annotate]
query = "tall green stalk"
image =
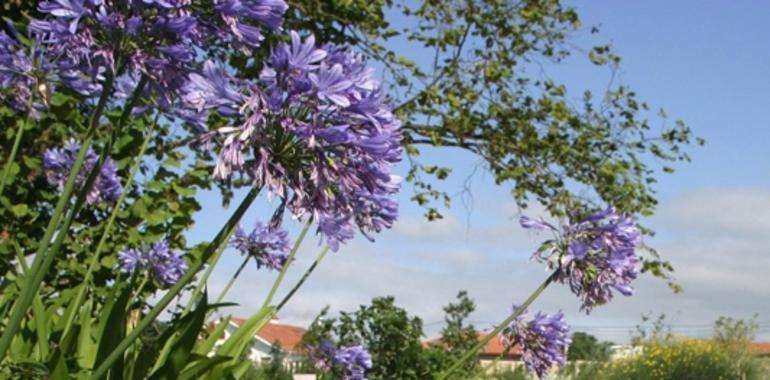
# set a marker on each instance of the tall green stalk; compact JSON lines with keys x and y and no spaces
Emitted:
{"x":110,"y":222}
{"x":204,"y":279}
{"x":16,"y":144}
{"x":232,"y":280}
{"x":304,"y":277}
{"x":483,"y":342}
{"x":285,"y":267}
{"x":220,"y":239}
{"x":80,"y":200}
{"x":29,"y":287}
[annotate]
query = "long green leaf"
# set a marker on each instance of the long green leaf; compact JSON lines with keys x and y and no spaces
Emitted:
{"x":86,"y":348}
{"x":43,"y":258}
{"x":40,"y":317}
{"x":60,"y":370}
{"x":246,"y":332}
{"x":201,"y":366}
{"x":237,"y":343}
{"x":181,"y":348}
{"x":208,"y":344}
{"x":113,"y":329}
{"x":221,"y":238}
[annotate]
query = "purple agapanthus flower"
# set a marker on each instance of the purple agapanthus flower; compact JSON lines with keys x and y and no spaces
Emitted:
{"x":268,"y":245}
{"x":58,"y":162}
{"x":298,"y":57}
{"x":268,"y":12}
{"x":595,"y":256}
{"x":25,"y":73}
{"x":331,"y":84}
{"x":163,"y":265}
{"x":212,"y":90}
{"x":317,"y":132}
{"x":70,"y":10}
{"x":167,"y":41}
{"x":543,"y":340}
{"x":344,"y":362}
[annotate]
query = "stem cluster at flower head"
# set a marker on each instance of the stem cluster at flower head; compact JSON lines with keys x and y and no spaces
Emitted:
{"x":344,"y":362}
{"x":543,"y":340}
{"x":315,"y":131}
{"x":159,"y":262}
{"x":594,"y":256}
{"x":58,"y":162}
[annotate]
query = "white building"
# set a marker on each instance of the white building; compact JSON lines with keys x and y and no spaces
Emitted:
{"x":288,"y":337}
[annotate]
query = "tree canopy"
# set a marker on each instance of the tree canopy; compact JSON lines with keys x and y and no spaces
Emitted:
{"x":482,"y":92}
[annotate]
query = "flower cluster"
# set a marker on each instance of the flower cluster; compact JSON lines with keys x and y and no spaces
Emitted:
{"x":163,"y":265}
{"x":58,"y":163}
{"x":345,"y":362}
{"x":315,"y":131}
{"x":543,"y":340}
{"x":23,"y":71}
{"x":268,"y":245}
{"x":88,"y":41}
{"x":594,"y":256}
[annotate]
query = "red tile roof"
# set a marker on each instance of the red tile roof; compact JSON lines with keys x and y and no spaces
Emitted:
{"x":760,"y":348}
{"x":289,"y":337}
{"x":493,"y":348}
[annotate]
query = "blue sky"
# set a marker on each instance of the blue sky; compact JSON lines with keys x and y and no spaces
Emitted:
{"x":705,"y":63}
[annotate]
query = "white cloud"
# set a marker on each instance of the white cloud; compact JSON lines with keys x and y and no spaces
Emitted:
{"x":718,"y":246}
{"x":733,"y":210}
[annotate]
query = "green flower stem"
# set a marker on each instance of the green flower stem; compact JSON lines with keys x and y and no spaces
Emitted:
{"x":204,"y":279}
{"x":110,"y":222}
{"x":220,"y":239}
{"x":493,"y":334}
{"x":30,"y":286}
{"x":16,"y":144}
{"x":285,"y":267}
{"x":92,"y":175}
{"x":301,"y":281}
{"x":232,"y":280}
{"x":482,"y":372}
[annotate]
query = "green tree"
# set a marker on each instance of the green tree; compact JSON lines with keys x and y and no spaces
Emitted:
{"x":394,"y":338}
{"x":735,"y":332}
{"x":585,"y":346}
{"x":457,"y":337}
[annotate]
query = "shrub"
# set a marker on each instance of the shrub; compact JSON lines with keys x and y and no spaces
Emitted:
{"x":683,"y":360}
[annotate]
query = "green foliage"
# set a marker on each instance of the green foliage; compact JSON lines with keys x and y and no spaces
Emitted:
{"x":479,"y":94}
{"x":737,"y":333}
{"x":394,"y":338}
{"x":457,"y":337}
{"x":586,"y":347}
{"x":665,"y":356}
{"x":683,"y":360}
{"x":483,"y":92}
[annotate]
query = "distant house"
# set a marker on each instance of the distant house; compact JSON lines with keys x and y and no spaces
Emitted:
{"x":288,"y":337}
{"x":493,"y":351}
{"x":760,"y":349}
